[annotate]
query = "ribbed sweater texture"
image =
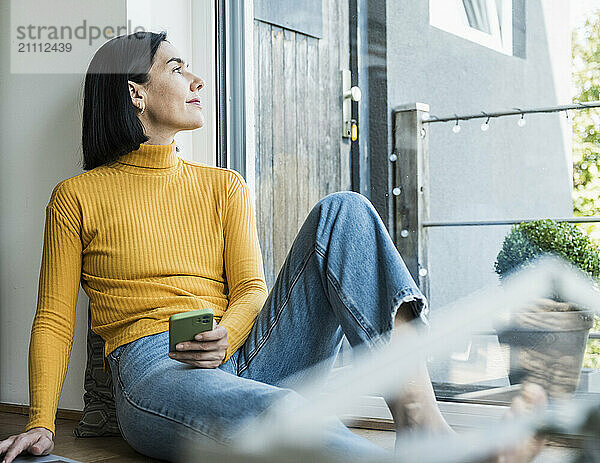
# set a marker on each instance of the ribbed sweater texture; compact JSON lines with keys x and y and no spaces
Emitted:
{"x":147,"y":236}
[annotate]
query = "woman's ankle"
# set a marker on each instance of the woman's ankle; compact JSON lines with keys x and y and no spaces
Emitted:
{"x":411,"y":413}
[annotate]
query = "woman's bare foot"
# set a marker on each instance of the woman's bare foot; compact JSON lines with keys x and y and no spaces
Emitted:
{"x":415,"y":407}
{"x":532,"y":398}
{"x":414,"y":412}
{"x":423,"y":419}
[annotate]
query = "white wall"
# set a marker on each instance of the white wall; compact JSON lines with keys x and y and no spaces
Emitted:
{"x":40,"y":129}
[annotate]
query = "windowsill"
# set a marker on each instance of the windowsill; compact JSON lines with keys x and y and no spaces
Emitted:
{"x":465,"y":408}
{"x":458,"y":415}
{"x":371,"y":412}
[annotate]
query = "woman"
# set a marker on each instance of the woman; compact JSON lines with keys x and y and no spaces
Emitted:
{"x":149,"y":235}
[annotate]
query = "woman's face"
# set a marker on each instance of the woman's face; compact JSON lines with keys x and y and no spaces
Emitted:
{"x":171,"y":96}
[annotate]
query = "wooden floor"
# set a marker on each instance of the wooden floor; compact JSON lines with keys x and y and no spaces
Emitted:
{"x":91,"y":449}
{"x":115,"y":449}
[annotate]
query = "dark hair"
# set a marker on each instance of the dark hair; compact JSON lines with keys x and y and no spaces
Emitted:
{"x":110,"y":126}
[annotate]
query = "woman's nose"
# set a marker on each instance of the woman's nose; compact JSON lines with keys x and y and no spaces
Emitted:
{"x":197,"y":83}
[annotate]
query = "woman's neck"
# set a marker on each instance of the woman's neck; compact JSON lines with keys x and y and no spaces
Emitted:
{"x":159,"y":140}
{"x":160,"y":135}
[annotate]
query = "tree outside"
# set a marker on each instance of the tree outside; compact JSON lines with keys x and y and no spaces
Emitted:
{"x":586,"y":141}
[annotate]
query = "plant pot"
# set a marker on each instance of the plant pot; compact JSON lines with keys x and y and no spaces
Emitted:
{"x":547,"y":345}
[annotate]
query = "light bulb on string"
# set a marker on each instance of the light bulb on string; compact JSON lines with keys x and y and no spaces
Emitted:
{"x":521,"y":122}
{"x":486,"y":125}
{"x":456,"y":128}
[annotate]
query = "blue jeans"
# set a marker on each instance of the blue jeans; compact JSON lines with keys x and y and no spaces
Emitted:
{"x":342,"y":276}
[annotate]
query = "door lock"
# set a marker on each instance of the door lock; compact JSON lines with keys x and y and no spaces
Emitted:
{"x":349,"y":94}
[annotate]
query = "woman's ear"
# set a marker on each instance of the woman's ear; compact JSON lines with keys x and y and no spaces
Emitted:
{"x":137,"y":94}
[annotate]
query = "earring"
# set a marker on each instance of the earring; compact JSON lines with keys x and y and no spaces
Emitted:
{"x":142,"y":108}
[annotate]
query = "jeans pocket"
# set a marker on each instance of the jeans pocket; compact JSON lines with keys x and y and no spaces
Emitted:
{"x":116,"y":353}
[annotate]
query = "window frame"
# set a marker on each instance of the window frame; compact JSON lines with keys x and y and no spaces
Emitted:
{"x":454,"y":20}
{"x":232,"y":89}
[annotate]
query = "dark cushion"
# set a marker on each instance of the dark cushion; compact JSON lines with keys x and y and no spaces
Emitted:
{"x":99,"y":416}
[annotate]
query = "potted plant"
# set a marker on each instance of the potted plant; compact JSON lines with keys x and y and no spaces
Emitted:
{"x":547,"y":339}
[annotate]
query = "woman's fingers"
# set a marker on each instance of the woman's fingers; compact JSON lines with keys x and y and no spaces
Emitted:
{"x":195,"y":345}
{"x":205,"y":346}
{"x":36,"y":447}
{"x":207,"y":351}
{"x":35,"y":441}
{"x":218,"y":332}
{"x":204,"y":364}
{"x":196,"y":356}
{"x":20,"y":444}
{"x":6,"y":443}
{"x":42,"y":447}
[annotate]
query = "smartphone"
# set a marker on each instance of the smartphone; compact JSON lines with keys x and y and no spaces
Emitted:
{"x":184,"y":326}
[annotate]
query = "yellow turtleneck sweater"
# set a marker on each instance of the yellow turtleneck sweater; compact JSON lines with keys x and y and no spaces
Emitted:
{"x":148,"y":236}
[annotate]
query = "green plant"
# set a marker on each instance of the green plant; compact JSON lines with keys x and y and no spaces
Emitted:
{"x":586,"y":139}
{"x":528,"y":240}
{"x":585,"y":70}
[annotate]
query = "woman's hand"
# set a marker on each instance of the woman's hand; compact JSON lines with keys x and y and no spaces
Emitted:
{"x":37,"y":441}
{"x":207,"y":351}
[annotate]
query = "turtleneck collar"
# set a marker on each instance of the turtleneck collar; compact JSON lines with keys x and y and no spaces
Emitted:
{"x":152,"y":156}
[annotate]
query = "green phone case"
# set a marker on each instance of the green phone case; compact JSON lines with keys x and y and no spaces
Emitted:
{"x":184,"y":326}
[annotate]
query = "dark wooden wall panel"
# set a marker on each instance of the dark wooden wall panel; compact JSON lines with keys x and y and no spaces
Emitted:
{"x":300,"y":153}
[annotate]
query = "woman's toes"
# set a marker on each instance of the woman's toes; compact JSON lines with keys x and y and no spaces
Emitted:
{"x":532,"y":398}
{"x":517,"y":407}
{"x":534,"y":395}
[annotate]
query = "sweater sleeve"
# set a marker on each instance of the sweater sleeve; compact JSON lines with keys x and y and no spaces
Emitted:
{"x":54,"y":322}
{"x":243,"y":265}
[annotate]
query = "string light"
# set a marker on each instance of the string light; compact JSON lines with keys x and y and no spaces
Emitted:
{"x":486,"y":125}
{"x":521,"y":122}
{"x":456,"y":128}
